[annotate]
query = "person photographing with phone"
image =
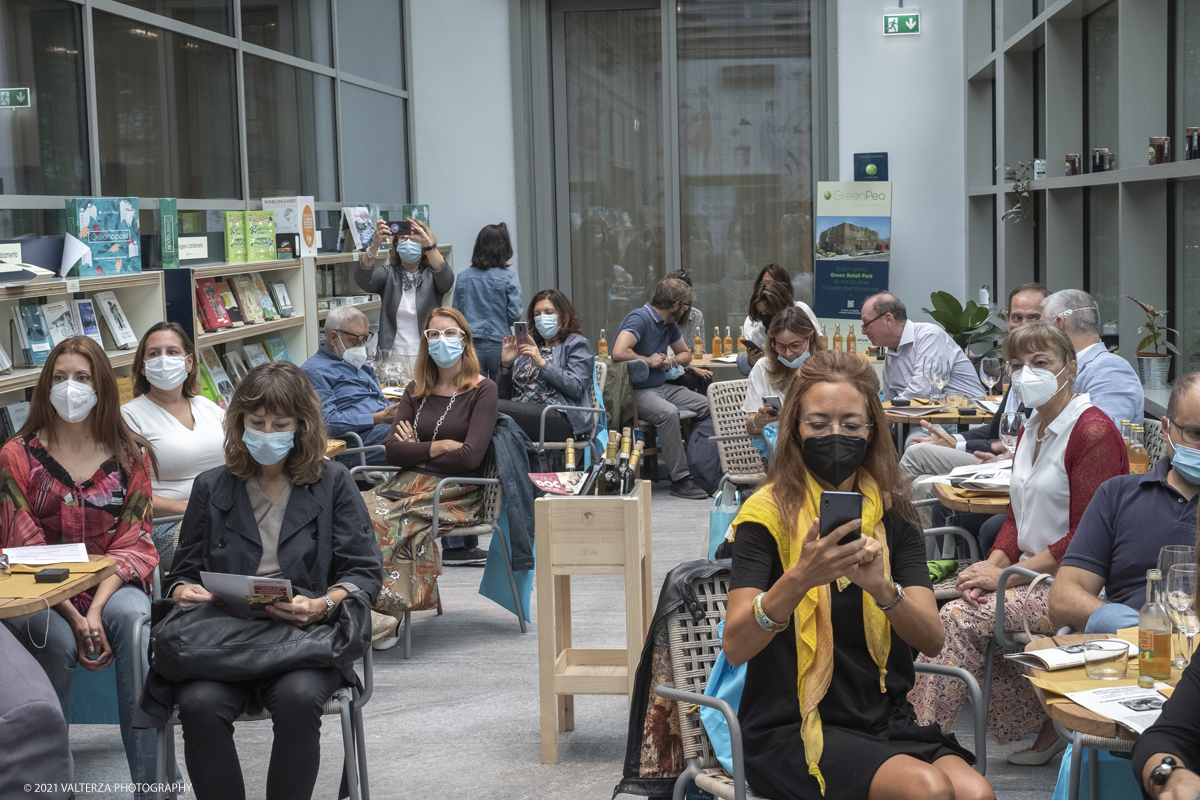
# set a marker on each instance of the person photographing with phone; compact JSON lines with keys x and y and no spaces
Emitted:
{"x":825,"y":623}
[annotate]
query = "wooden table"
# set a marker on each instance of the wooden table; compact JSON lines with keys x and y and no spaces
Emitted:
{"x":950,"y":416}
{"x":334,"y":447}
{"x":75,"y":584}
{"x":955,"y":500}
{"x":707,"y":362}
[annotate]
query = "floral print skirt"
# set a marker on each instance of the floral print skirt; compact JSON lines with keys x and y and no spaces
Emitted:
{"x":1014,"y":710}
{"x":402,"y":516}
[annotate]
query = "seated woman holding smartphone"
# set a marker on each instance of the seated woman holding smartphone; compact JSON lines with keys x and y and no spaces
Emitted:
{"x":855,"y":605}
{"x":791,"y":338}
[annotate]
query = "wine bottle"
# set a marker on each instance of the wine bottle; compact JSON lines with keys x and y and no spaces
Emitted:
{"x":727,"y":345}
{"x":623,"y":460}
{"x":570,"y":455}
{"x":716,"y":341}
{"x":1139,"y":458}
{"x":602,"y":345}
{"x":1154,"y":634}
{"x":606,"y":482}
{"x":837,"y":336}
{"x":852,"y":341}
{"x":741,"y":343}
{"x":589,"y":480}
{"x":632,"y":475}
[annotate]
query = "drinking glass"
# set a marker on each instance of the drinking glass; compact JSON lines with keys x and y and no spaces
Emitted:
{"x":1106,"y":659}
{"x":1168,"y":557}
{"x":1181,"y":602}
{"x":937,"y":372}
{"x":1011,"y":425}
{"x":991,"y":370}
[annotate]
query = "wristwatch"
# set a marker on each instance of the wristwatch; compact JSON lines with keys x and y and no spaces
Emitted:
{"x":894,"y":603}
{"x":1160,"y":774}
{"x":427,"y":249}
{"x":328,"y":606}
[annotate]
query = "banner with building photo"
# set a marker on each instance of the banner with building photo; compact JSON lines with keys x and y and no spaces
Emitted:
{"x":853,"y":237}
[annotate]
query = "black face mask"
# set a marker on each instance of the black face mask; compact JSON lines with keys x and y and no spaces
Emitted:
{"x":835,"y":457}
{"x":766,"y":321}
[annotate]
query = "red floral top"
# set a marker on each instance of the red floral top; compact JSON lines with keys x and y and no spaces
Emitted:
{"x":109,"y":513}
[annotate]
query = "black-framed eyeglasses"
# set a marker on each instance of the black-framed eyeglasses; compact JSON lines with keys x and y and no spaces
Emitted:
{"x":351,"y":339}
{"x":820,"y":427}
{"x":1190,"y":434}
{"x":864,"y":323}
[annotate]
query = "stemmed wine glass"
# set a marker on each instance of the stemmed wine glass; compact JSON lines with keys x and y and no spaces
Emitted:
{"x":1181,"y":602}
{"x":937,"y":372}
{"x":991,"y":370}
{"x":1169,"y":556}
{"x":1011,"y":425}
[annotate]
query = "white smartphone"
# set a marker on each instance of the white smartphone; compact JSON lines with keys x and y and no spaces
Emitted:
{"x":774,"y":402}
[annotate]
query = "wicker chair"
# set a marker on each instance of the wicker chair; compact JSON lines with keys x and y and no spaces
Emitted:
{"x":597,"y":410}
{"x":741,"y":462}
{"x":694,"y":645}
{"x":1155,"y":445}
{"x":489,"y":522}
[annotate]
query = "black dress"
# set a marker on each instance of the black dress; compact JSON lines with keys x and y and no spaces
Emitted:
{"x":862,"y":726}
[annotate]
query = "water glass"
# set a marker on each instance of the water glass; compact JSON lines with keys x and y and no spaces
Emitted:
{"x":1181,"y":603}
{"x":1168,"y":557}
{"x":1106,"y":659}
{"x":1011,"y":425}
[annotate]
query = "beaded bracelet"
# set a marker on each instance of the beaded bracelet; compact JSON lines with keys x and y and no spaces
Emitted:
{"x":766,"y":622}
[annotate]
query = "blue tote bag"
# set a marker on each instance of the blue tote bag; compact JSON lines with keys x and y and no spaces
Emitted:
{"x":725,"y":683}
{"x":725,"y":507}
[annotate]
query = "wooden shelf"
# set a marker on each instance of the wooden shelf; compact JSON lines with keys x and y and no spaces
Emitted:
{"x":321,"y":315}
{"x":26,"y":377}
{"x":242,"y":267}
{"x":106,"y":283}
{"x":338,"y":258}
{"x":246,"y":331}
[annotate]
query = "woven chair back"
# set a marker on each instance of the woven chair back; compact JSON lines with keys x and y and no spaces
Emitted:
{"x":740,"y":459}
{"x":1154,"y":440}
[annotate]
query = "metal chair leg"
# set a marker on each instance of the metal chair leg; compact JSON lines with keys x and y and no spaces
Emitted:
{"x":348,"y":747}
{"x":685,"y":777}
{"x":439,"y":608}
{"x":360,"y":739}
{"x":1093,"y":757}
{"x":172,"y":764}
{"x":1076,"y":755}
{"x":407,"y":634}
{"x":988,"y":670}
{"x":512,"y":578}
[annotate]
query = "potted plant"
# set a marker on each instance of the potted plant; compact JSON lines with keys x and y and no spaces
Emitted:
{"x":967,"y":325}
{"x":1195,"y":354}
{"x":1154,"y":365}
{"x":1020,"y":179}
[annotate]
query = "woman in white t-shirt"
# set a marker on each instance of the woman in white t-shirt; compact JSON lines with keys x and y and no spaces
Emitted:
{"x":185,"y":428}
{"x":791,"y":338}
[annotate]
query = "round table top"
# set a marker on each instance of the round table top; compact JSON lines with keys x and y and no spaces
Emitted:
{"x":955,"y":500}
{"x":950,"y":416}
{"x":73,"y":585}
{"x":334,"y":447}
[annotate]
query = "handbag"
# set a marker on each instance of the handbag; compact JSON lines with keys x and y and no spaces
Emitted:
{"x":722,"y":514}
{"x":204,"y":642}
{"x":725,"y":683}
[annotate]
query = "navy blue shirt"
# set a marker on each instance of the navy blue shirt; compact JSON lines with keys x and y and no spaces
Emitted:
{"x":653,"y":336}
{"x":349,"y":396}
{"x":1130,"y":518}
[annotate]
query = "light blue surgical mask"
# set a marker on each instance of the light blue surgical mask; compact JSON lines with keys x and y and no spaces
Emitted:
{"x":794,"y":363}
{"x":268,"y":449}
{"x":674,"y":372}
{"x":547,"y":325}
{"x":446,"y":352}
{"x":408,"y":250}
{"x":1186,"y":462}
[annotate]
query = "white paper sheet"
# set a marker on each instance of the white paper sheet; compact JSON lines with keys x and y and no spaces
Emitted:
{"x":1131,"y":706}
{"x":39,"y":555}
{"x":729,"y":359}
{"x":991,"y":406}
{"x":247,"y":595}
{"x":73,"y":250}
{"x":971,"y":469}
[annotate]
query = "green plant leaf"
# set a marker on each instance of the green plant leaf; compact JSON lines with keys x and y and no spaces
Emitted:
{"x":1173,"y":348}
{"x":1147,"y":341}
{"x":947,"y":302}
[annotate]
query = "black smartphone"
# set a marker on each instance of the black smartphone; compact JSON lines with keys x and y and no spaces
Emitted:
{"x":838,"y":508}
{"x":521,"y":331}
{"x":400,"y":228}
{"x":773,"y":401}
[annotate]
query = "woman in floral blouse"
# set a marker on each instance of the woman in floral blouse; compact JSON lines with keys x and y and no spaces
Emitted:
{"x":76,"y":472}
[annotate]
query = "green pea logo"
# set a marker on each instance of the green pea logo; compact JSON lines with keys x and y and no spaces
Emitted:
{"x":871,"y":169}
{"x":828,"y":195}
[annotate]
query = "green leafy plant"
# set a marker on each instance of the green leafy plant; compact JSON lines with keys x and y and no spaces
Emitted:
{"x":966,"y":326}
{"x":1155,"y":329}
{"x":1020,"y":178}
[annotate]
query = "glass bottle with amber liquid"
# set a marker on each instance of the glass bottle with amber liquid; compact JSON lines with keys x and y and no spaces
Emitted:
{"x":727,"y":345}
{"x":742,"y":342}
{"x":632,"y":473}
{"x":602,"y":345}
{"x":623,"y":459}
{"x":1125,"y":426}
{"x":569,"y":456}
{"x":717,"y":349}
{"x":837,"y":336}
{"x":825,"y":335}
{"x":1139,"y":457}
{"x":851,"y":341}
{"x":698,"y":345}
{"x":1154,"y":634}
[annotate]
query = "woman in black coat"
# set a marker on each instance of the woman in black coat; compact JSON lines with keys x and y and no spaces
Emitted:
{"x":277,"y":509}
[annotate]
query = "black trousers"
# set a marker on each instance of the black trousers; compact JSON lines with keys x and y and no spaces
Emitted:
{"x":529,"y":417}
{"x":207,"y":710}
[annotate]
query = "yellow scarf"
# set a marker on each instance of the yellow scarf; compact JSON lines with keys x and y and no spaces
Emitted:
{"x":814,"y":628}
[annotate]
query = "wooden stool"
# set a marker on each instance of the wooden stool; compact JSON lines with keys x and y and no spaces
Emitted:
{"x":588,"y":536}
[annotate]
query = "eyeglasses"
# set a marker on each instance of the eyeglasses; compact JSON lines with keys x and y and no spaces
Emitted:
{"x":452,"y":334}
{"x":865,"y":322}
{"x":794,"y":347}
{"x":822,"y":428}
{"x":1190,"y":434}
{"x":351,"y":339}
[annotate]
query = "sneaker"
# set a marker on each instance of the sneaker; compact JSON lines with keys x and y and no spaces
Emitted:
{"x":462,"y":557}
{"x":688,"y":490}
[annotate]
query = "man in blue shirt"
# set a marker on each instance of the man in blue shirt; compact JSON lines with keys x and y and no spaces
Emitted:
{"x":650,"y":334}
{"x":350,"y":395}
{"x":1129,"y":519}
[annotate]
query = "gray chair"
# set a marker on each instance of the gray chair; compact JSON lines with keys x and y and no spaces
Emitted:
{"x":741,"y":462}
{"x":946,"y":589}
{"x":1155,"y":444}
{"x":694,"y":646}
{"x":359,"y":449}
{"x":597,"y":410}
{"x":489,"y":523}
{"x":1093,"y":745}
{"x":1009,"y":640}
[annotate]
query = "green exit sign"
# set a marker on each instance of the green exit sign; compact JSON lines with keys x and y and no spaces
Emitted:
{"x":14,"y":98}
{"x":902,"y":22}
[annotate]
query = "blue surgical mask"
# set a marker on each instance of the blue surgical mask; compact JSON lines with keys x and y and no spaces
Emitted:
{"x":408,"y":250}
{"x":794,"y":363}
{"x":446,"y":352}
{"x":1186,"y":462}
{"x":547,"y":325}
{"x":268,"y":449}
{"x":674,"y":372}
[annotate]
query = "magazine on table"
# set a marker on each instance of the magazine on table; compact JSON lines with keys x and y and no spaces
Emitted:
{"x":247,"y":595}
{"x":915,"y":411}
{"x":1052,"y":658}
{"x":1132,"y":706}
{"x":993,"y":480}
{"x":568,"y":483}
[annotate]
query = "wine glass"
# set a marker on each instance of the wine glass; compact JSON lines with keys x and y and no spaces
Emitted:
{"x":1181,"y":602}
{"x":1011,"y":425}
{"x":937,"y":372}
{"x":1168,"y":557}
{"x":991,"y":370}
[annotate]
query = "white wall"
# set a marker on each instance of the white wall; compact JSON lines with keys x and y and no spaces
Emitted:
{"x":462,"y":84}
{"x":904,"y":95}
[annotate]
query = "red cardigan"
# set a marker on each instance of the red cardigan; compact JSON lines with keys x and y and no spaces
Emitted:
{"x":1095,"y":452}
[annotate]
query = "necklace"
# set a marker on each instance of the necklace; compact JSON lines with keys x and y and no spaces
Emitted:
{"x":417,"y":417}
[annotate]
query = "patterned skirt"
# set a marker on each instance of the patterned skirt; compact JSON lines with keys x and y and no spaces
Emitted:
{"x":402,"y":516}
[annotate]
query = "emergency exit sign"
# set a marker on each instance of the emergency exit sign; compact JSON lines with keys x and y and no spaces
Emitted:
{"x":901,"y":22}
{"x":14,"y":98}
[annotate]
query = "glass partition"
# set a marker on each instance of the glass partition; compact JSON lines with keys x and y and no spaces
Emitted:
{"x":1101,"y":47}
{"x":1103,"y":256}
{"x":370,"y":40}
{"x":1187,"y":278}
{"x":297,"y":27}
{"x":215,"y":15}
{"x":377,"y":149}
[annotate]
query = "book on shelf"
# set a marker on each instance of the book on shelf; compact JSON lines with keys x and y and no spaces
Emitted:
{"x":13,"y":416}
{"x":419,"y":212}
{"x":168,"y":216}
{"x":60,"y":322}
{"x":85,"y":320}
{"x":19,"y":341}
{"x":358,"y":229}
{"x":283,"y":303}
{"x":216,"y":372}
{"x":286,"y":245}
{"x":295,"y":222}
{"x":246,"y":294}
{"x":277,"y":349}
{"x":111,"y":229}
{"x":6,"y":362}
{"x":231,"y":307}
{"x":264,"y":297}
{"x":213,"y":314}
{"x":235,"y":366}
{"x":124,"y":389}
{"x":255,"y":355}
{"x":260,"y":236}
{"x":114,"y":317}
{"x":207,"y":387}
{"x":235,"y":236}
{"x":36,"y":334}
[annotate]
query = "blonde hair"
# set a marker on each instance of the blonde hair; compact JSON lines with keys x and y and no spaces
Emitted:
{"x":791,"y":319}
{"x":1039,"y":336}
{"x":427,"y":370}
{"x":279,"y":388}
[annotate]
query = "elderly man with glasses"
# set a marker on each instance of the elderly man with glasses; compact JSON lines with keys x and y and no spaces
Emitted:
{"x":347,"y":385}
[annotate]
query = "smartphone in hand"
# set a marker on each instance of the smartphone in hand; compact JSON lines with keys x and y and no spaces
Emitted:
{"x":521,"y":331}
{"x":400,"y":228}
{"x":774,"y":402}
{"x":838,"y":508}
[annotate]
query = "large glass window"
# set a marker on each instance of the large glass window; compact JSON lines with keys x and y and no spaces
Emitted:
{"x":1189,"y":72}
{"x":1101,"y":111}
{"x":297,"y":27}
{"x":1187,"y":278}
{"x":167,"y":113}
{"x":216,"y":15}
{"x":1103,"y":255}
{"x":289,"y":131}
{"x":745,"y":133}
{"x":43,"y":148}
{"x":370,"y":40}
{"x":371,"y":174}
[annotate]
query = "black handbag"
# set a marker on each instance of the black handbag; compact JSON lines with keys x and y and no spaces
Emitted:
{"x":203,"y":642}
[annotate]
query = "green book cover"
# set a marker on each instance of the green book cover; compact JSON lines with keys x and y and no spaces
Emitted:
{"x":260,"y":235}
{"x":168,"y":216}
{"x":277,"y":349}
{"x":207,"y":387}
{"x":235,"y":236}
{"x":418,"y":212}
{"x":110,"y":228}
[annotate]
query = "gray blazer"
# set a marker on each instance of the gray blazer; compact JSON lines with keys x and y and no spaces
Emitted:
{"x":569,"y":372}
{"x":33,"y":733}
{"x":385,"y":281}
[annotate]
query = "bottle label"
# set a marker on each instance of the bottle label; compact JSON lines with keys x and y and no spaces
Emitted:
{"x":1145,"y":645}
{"x":1139,"y":469}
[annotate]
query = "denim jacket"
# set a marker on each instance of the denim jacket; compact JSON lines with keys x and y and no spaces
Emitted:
{"x":568,"y":372}
{"x":490,"y":299}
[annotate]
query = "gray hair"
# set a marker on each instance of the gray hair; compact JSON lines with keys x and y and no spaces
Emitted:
{"x":342,"y":316}
{"x":888,"y":303}
{"x":1079,"y":310}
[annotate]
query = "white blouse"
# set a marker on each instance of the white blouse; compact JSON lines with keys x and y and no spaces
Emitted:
{"x":182,"y":454}
{"x":759,"y":385}
{"x":1040,"y":492}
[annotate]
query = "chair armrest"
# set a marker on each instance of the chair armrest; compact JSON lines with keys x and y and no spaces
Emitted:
{"x":732,"y":437}
{"x":979,"y":712}
{"x":437,"y":493}
{"x":361,"y":470}
{"x":351,"y":435}
{"x":601,"y":413}
{"x":1001,"y":586}
{"x":669,"y":692}
{"x":961,"y":533}
{"x":928,"y":501}
{"x":144,"y":619}
{"x":362,"y":452}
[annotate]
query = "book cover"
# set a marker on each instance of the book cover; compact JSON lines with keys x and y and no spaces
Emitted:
{"x":19,"y":339}
{"x":220,"y":379}
{"x":235,"y":236}
{"x":282,"y":301}
{"x":111,"y":229}
{"x":297,"y":218}
{"x":357,"y":228}
{"x":124,"y":388}
{"x":264,"y":297}
{"x":168,"y":216}
{"x":231,"y":307}
{"x":260,"y":236}
{"x":6,"y":362}
{"x":418,"y":212}
{"x":213,"y":314}
{"x":15,"y":415}
{"x":246,"y":294}
{"x":85,"y":320}
{"x":114,"y":317}
{"x":60,"y":322}
{"x":277,"y":349}
{"x":235,"y":366}
{"x":255,"y":355}
{"x":207,"y":387}
{"x":37,"y":333}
